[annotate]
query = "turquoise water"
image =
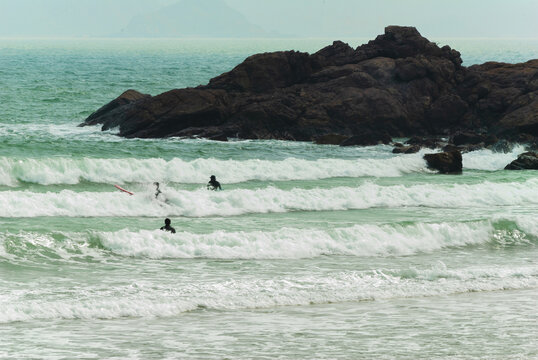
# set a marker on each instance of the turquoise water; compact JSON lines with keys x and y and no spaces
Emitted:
{"x":310,"y":251}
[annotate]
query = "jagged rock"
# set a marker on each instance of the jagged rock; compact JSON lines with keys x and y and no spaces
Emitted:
{"x":451,"y":148}
{"x":445,"y":162}
{"x":116,"y":107}
{"x":399,"y":84}
{"x":430,"y":143}
{"x":367,"y":139}
{"x":219,"y":137}
{"x":525,"y":161}
{"x":411,"y":149}
{"x":467,"y":138}
{"x":331,"y":139}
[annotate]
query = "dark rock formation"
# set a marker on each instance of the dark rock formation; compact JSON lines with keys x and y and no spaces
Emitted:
{"x":445,"y":162}
{"x":114,"y":109}
{"x":467,"y":138}
{"x":525,"y":161}
{"x":411,"y":149}
{"x":399,"y":84}
{"x":368,"y":138}
{"x":331,"y":139}
{"x":427,"y":142}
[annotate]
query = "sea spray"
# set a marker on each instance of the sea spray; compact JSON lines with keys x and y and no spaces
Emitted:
{"x":48,"y":171}
{"x":166,"y":300}
{"x":202,"y":203}
{"x":286,"y":243}
{"x":485,"y":159}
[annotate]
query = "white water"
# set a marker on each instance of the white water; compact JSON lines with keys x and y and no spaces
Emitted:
{"x":48,"y":171}
{"x":286,"y":243}
{"x":202,"y":203}
{"x":151,"y":300}
{"x":68,"y":171}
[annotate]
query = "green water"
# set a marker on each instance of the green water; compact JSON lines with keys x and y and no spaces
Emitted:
{"x":309,"y":251}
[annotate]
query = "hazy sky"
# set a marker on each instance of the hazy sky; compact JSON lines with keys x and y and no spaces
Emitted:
{"x":303,"y":18}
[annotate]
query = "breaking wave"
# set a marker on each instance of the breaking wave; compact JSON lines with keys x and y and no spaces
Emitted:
{"x":48,"y":171}
{"x":285,"y":243}
{"x":202,"y":203}
{"x":72,"y":171}
{"x":166,"y":300}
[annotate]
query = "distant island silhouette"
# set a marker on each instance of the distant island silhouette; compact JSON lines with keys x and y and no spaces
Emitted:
{"x":194,"y":18}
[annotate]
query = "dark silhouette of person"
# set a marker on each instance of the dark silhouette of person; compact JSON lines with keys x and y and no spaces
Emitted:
{"x":213,"y":184}
{"x":157,"y":190}
{"x":167,"y":226}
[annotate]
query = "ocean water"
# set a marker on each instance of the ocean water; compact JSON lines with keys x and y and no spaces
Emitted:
{"x":309,"y":252}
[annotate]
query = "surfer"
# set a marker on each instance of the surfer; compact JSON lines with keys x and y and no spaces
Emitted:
{"x":167,"y":226}
{"x":157,"y":190}
{"x":213,"y":184}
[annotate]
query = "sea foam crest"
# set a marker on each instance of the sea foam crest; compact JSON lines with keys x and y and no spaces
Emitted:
{"x":486,"y":159}
{"x":170,"y":298}
{"x":47,"y":171}
{"x":201,"y":203}
{"x":359,"y":240}
{"x":71,"y":171}
{"x":285,"y":243}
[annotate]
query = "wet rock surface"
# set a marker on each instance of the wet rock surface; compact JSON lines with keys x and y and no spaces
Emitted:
{"x":445,"y":162}
{"x":525,"y":161}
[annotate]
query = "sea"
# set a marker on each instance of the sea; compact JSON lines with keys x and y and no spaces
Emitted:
{"x":309,"y":251}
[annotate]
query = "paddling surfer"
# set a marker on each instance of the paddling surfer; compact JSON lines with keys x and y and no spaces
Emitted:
{"x":213,"y":184}
{"x":167,"y":226}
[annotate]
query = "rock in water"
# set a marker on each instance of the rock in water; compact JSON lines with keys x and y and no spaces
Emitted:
{"x":398,"y":85}
{"x":367,"y":139}
{"x":331,"y":139}
{"x":445,"y":162}
{"x":525,"y":161}
{"x":411,"y":149}
{"x":106,"y":114}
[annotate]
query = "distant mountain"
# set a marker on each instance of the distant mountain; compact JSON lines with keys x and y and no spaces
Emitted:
{"x":193,"y":18}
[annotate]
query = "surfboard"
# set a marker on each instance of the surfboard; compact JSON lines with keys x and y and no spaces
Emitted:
{"x":122,"y":189}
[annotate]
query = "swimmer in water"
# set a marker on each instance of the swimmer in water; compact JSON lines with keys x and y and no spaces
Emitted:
{"x":167,"y":226}
{"x":213,"y":184}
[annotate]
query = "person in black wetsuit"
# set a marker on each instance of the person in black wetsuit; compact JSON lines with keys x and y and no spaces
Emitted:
{"x":157,"y":190}
{"x":167,"y":226}
{"x":213,"y":184}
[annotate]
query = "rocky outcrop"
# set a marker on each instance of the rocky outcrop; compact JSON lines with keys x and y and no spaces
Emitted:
{"x":445,"y":162}
{"x":115,"y":108}
{"x":331,"y":139}
{"x":525,"y":161}
{"x":411,"y":149}
{"x":368,"y":138}
{"x":398,"y":85}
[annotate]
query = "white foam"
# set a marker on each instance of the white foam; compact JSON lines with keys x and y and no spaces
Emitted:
{"x":486,"y":159}
{"x":170,"y":298}
{"x":285,"y":243}
{"x":202,"y":203}
{"x":49,"y":171}
{"x":58,"y":131}
{"x":526,"y":223}
{"x":291,"y":243}
{"x":35,"y":247}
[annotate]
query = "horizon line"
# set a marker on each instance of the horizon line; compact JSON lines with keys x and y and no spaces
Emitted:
{"x":334,"y":38}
